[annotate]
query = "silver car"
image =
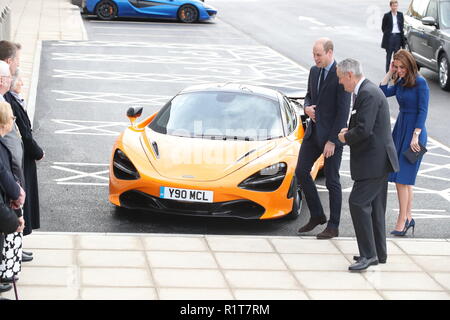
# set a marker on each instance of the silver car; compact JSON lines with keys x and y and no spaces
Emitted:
{"x":427,"y":32}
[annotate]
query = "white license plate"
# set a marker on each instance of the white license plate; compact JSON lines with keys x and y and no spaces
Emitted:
{"x":186,"y":194}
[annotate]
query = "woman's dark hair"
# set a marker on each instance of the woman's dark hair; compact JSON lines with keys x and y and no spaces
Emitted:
{"x":409,"y":62}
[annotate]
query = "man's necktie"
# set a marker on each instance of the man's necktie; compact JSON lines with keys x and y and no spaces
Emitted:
{"x":353,"y":99}
{"x":321,"y":78}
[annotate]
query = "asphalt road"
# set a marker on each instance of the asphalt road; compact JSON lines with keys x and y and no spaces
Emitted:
{"x":89,"y":86}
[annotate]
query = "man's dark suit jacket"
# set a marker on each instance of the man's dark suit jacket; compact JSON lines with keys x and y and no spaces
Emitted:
{"x":387,"y":25}
{"x":333,"y":104}
{"x":372,"y":150}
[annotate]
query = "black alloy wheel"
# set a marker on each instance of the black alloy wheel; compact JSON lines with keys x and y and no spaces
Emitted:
{"x":444,"y":78}
{"x":188,"y":14}
{"x":106,"y":10}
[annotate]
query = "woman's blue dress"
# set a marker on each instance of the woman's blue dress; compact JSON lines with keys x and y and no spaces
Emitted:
{"x":413,"y":113}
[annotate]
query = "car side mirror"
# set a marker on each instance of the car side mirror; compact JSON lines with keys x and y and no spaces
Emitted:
{"x":429,"y":21}
{"x":133,"y":113}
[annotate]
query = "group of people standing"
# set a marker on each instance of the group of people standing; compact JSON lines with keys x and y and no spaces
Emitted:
{"x":376,"y":153}
{"x":19,"y":199}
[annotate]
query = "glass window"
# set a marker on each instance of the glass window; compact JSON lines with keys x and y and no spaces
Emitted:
{"x":417,"y":8}
{"x":290,"y":115}
{"x":432,"y":10}
{"x":445,"y":14}
{"x":220,"y":115}
{"x":287,"y":117}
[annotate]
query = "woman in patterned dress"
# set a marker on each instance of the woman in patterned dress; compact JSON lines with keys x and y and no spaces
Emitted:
{"x":10,"y":266}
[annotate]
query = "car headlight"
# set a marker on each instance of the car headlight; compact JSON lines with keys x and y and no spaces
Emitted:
{"x":123,"y":167}
{"x":267,"y":179}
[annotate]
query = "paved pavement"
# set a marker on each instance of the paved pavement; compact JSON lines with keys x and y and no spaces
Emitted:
{"x":161,"y":267}
{"x":150,"y":266}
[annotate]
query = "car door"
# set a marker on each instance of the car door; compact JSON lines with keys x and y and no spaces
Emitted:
{"x":431,"y":41}
{"x":415,"y":30}
{"x":158,"y":8}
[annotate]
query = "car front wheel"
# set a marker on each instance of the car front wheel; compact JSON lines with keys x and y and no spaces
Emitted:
{"x":296,"y":206}
{"x":444,"y":79}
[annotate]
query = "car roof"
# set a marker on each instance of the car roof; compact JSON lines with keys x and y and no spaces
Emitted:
{"x":233,"y":87}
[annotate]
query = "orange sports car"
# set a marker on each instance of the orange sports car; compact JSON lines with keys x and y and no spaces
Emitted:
{"x":224,"y":150}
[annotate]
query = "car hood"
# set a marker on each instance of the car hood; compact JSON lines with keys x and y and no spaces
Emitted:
{"x":197,"y":159}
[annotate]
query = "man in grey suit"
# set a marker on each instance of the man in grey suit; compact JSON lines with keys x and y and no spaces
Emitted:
{"x":372,"y":157}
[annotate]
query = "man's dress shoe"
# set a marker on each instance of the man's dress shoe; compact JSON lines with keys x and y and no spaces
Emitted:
{"x":28,"y":253}
{"x":5,"y":287}
{"x":26,"y":258}
{"x":363,"y":263}
{"x":312,"y":224}
{"x":382,"y":261}
{"x":328,"y":233}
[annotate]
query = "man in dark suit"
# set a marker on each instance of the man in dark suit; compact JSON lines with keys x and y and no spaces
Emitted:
{"x":327,"y":105}
{"x":392,"y":27}
{"x":372,"y":157}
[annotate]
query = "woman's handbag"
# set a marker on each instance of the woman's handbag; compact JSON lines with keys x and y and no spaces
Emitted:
{"x":8,"y":219}
{"x":414,"y":156}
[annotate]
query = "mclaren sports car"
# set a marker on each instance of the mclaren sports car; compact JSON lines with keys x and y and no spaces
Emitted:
{"x":218,"y":150}
{"x":183,"y":10}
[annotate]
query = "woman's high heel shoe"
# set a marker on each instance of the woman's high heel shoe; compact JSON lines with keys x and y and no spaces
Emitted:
{"x":403,"y":232}
{"x":408,"y":225}
{"x":411,"y":224}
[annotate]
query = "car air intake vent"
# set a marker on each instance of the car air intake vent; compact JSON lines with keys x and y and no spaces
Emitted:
{"x":155,"y":148}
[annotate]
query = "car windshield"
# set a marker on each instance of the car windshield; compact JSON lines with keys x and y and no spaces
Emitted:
{"x":445,"y":14}
{"x":221,"y":116}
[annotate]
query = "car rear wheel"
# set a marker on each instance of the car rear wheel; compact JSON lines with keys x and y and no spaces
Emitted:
{"x":188,"y":14}
{"x":106,"y":10}
{"x":444,"y":79}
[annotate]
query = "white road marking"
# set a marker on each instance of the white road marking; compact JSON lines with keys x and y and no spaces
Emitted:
{"x":311,"y":20}
{"x":82,"y":127}
{"x":163,"y":36}
{"x":110,"y":97}
{"x":79,"y":175}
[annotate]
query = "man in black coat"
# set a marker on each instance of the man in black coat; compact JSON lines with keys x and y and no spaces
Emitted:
{"x":393,"y":36}
{"x":372,"y":157}
{"x":327,"y":105}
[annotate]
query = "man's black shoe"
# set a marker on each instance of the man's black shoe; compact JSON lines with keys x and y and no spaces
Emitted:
{"x":363,"y":263}
{"x":26,"y":258}
{"x":5,"y":287}
{"x":28,"y":253}
{"x":312,"y":224}
{"x":328,"y":233}
{"x":382,"y":261}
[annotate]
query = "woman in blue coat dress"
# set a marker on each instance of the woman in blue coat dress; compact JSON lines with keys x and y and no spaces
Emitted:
{"x":412,"y":93}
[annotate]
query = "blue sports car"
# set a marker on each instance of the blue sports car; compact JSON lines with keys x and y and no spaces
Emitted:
{"x":184,"y":10}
